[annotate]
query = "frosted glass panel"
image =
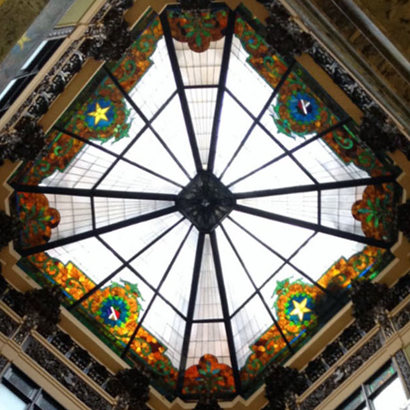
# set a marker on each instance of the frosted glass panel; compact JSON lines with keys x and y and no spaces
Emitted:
{"x":257,"y":150}
{"x":75,"y":215}
{"x":301,"y":206}
{"x":168,"y":327}
{"x":252,"y":90}
{"x":176,"y":288}
{"x":136,"y":237}
{"x":201,"y":103}
{"x":249,"y":323}
{"x":322,"y":251}
{"x":208,"y":338}
{"x":324,"y":164}
{"x":237,"y":284}
{"x":230,"y":132}
{"x":392,"y":397}
{"x":200,"y":68}
{"x":157,"y":84}
{"x":170,"y":125}
{"x":90,"y":256}
{"x":84,"y":171}
{"x":208,"y":301}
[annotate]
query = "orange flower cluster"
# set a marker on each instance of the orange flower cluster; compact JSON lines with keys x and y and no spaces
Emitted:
{"x":268,"y":66}
{"x":130,"y":69}
{"x":375,"y":211}
{"x":208,"y":376}
{"x":62,"y":151}
{"x":153,"y":352}
{"x":198,"y":30}
{"x":348,"y":149}
{"x":71,"y":279}
{"x":343,"y":272}
{"x":37,"y":217}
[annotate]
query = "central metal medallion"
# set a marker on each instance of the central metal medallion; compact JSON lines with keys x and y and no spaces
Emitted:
{"x":205,"y":201}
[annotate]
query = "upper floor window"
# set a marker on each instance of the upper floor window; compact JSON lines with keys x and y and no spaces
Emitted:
{"x":383,"y":391}
{"x":19,"y":392}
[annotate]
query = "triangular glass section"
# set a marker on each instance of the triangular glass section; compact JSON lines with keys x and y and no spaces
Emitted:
{"x":208,"y":301}
{"x":247,"y":325}
{"x":231,"y":133}
{"x":82,"y":254}
{"x":153,"y":263}
{"x":259,"y":260}
{"x":157,"y":84}
{"x":83,"y":171}
{"x":202,"y":103}
{"x":147,"y":148}
{"x":258,"y":149}
{"x":282,"y":238}
{"x":177,"y":286}
{"x":112,"y":210}
{"x":325,"y":165}
{"x":127,"y":177}
{"x":323,"y":251}
{"x":132,"y":239}
{"x":237,"y":284}
{"x":251,"y":90}
{"x":170,"y":125}
{"x":168,"y":327}
{"x":280,"y":174}
{"x":300,"y":205}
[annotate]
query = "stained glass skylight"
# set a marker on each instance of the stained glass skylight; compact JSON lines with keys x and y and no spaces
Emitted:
{"x":204,"y":204}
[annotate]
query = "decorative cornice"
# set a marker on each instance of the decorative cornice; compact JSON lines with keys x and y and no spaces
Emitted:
{"x":284,"y":35}
{"x":23,"y":142}
{"x":283,"y":384}
{"x":207,"y":402}
{"x":131,"y":386}
{"x":369,"y":303}
{"x":108,"y":39}
{"x":380,"y":134}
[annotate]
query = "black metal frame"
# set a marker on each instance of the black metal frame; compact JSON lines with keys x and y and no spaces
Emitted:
{"x":95,"y":192}
{"x":221,"y":89}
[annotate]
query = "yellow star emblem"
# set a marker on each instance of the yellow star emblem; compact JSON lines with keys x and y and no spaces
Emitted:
{"x":23,"y":40}
{"x":300,"y":309}
{"x":99,"y":114}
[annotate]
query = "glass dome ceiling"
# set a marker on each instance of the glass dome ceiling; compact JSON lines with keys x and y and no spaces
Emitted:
{"x":204,"y":204}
